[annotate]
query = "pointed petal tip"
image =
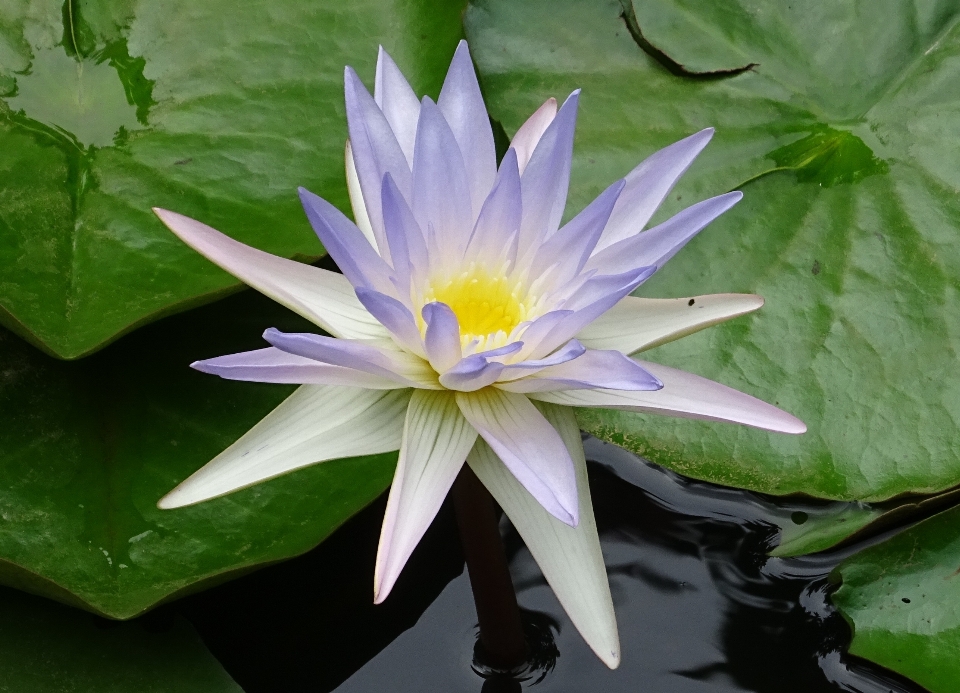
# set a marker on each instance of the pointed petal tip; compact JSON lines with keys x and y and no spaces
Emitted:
{"x":170,"y":501}
{"x":611,"y":658}
{"x":379,"y":593}
{"x":796,"y":427}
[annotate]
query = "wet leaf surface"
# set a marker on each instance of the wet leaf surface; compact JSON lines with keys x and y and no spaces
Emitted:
{"x":54,"y":649}
{"x":87,"y":448}
{"x":213,"y":109}
{"x":901,"y":597}
{"x":839,"y":138}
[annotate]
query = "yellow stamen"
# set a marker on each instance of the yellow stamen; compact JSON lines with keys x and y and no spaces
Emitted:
{"x":486,"y":304}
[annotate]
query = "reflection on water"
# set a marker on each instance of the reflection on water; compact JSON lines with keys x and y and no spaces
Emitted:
{"x":700,"y":606}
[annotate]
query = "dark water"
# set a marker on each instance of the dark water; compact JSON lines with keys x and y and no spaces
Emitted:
{"x":699,"y":604}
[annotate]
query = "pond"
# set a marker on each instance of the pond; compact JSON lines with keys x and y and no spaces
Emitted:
{"x":700,"y":605}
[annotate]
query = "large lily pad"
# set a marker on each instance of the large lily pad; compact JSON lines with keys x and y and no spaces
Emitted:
{"x":901,"y":598}
{"x":216,"y":109}
{"x":87,"y":448}
{"x":842,"y":136}
{"x":51,"y":648}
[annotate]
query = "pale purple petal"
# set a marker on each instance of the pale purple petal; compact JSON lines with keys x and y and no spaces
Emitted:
{"x":597,"y":296}
{"x":686,"y":396}
{"x":376,"y":150}
{"x":271,"y":365}
{"x":594,"y":369}
{"x":399,"y":103}
{"x":495,"y":234}
{"x":662,"y":242}
{"x":471,"y":373}
{"x":436,"y":440}
{"x":500,"y":352}
{"x":346,"y":244}
{"x":478,"y":370}
{"x":539,"y":328}
{"x":546,"y":178}
{"x":635,"y":324}
{"x":442,"y":338}
{"x":393,"y":364}
{"x":569,"y":557}
{"x":395,"y":316}
{"x":441,"y":196}
{"x":408,"y":246}
{"x":649,"y":184}
{"x":568,"y":352}
{"x":566,"y":252}
{"x":528,"y":136}
{"x":462,"y":106}
{"x":323,"y":297}
{"x":314,"y":424}
{"x":529,"y":446}
{"x":603,"y":287}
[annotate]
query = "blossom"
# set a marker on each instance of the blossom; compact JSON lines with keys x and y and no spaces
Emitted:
{"x":467,"y":323}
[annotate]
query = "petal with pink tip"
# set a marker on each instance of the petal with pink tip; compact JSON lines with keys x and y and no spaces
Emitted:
{"x":529,"y":134}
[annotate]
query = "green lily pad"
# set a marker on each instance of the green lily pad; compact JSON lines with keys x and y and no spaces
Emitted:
{"x":87,"y":449}
{"x":802,"y":533}
{"x":901,"y":598}
{"x":841,"y":523}
{"x":215,"y":109}
{"x":51,"y":648}
{"x":842,"y":137}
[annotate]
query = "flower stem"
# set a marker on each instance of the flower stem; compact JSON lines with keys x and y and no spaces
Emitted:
{"x":501,"y":631}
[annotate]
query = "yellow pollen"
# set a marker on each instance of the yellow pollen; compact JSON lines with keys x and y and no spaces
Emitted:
{"x":484,"y":303}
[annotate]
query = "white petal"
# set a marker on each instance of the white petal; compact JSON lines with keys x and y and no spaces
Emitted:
{"x":325,"y":298}
{"x":314,"y":424}
{"x":436,"y":440}
{"x":635,"y":324}
{"x":360,"y":216}
{"x":529,"y":134}
{"x":530,"y":447}
{"x":569,"y":557}
{"x":684,"y":395}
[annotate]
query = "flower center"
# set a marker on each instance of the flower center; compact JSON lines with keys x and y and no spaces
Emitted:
{"x":486,"y":304}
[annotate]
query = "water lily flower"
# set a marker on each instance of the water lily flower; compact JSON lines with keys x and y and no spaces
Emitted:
{"x":467,"y":323}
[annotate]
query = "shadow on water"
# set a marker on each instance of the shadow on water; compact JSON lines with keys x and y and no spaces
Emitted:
{"x":699,"y":604}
